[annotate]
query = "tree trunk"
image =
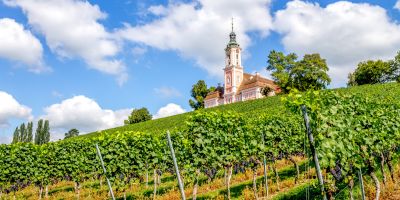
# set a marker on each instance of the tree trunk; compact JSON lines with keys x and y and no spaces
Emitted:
{"x":155,"y":184}
{"x":255,"y":184}
{"x":40,"y":192}
{"x":390,"y":166}
{"x":225,"y":175}
{"x":124,"y":195}
{"x":377,"y":185}
{"x":101,"y":182}
{"x":196,"y":185}
{"x":228,"y":182}
{"x":383,"y":168}
{"x":276,"y":175}
{"x":159,"y":180}
{"x":351,"y":185}
{"x":46,"y":194}
{"x":297,"y":169}
{"x":77,"y":189}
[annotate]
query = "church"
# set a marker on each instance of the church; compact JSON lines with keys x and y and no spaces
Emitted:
{"x":238,"y":86}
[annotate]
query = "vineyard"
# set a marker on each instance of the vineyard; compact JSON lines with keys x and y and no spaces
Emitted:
{"x":314,"y":145}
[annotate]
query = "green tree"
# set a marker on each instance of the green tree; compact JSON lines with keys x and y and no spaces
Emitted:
{"x":290,"y":73}
{"x":265,"y":91}
{"x":395,"y":68}
{"x":38,"y":132}
{"x":46,"y":132}
{"x":16,"y":136}
{"x":138,"y":115}
{"x":310,"y":73}
{"x":371,"y":72}
{"x":22,"y":133}
{"x":29,"y":132}
{"x":71,"y":133}
{"x":199,"y":92}
{"x":42,"y":134}
{"x":281,"y":66}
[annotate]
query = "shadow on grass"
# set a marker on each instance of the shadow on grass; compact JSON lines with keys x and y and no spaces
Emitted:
{"x":237,"y":190}
{"x":62,"y":189}
{"x":165,"y":179}
{"x":304,"y":191}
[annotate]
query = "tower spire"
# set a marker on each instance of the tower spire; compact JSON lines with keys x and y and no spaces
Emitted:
{"x":232,"y":24}
{"x":232,"y":37}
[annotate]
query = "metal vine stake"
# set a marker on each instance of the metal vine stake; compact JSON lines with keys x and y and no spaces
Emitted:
{"x":176,"y":166}
{"x":314,"y":152}
{"x":105,"y":172}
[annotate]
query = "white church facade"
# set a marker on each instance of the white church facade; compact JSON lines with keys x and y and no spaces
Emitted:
{"x":238,"y":86}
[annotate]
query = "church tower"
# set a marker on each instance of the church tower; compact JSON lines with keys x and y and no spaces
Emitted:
{"x":233,"y":71}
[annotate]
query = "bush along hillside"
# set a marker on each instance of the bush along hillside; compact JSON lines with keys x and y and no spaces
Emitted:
{"x":342,"y":135}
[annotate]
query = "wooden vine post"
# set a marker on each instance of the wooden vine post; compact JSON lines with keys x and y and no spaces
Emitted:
{"x":105,"y":172}
{"x":313,"y":151}
{"x":176,"y":166}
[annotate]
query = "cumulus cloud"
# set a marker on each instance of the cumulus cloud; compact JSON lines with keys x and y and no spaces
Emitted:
{"x":169,"y":110}
{"x":344,"y":33}
{"x":10,"y":108}
{"x":158,"y":10}
{"x":167,"y":92}
{"x":19,"y":44}
{"x":84,"y":114}
{"x":397,"y":6}
{"x":72,"y":29}
{"x":200,"y":30}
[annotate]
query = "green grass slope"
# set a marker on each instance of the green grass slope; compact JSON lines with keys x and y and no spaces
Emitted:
{"x":253,"y":108}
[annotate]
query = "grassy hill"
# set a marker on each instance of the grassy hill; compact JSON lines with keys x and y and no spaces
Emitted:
{"x":253,"y":108}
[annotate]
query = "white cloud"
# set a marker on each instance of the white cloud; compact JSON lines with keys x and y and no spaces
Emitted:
{"x":71,"y":29}
{"x":169,"y":110}
{"x":19,"y":44}
{"x":84,"y":114}
{"x":167,"y":92}
{"x":397,"y":6}
{"x":158,"y":10}
{"x":12,"y":109}
{"x":344,"y":33}
{"x":200,"y":30}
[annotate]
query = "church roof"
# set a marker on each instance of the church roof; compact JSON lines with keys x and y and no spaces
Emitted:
{"x":212,"y":95}
{"x":251,"y":81}
{"x":218,"y":93}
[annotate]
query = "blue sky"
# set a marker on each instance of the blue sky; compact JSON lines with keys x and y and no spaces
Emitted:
{"x":86,"y":64}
